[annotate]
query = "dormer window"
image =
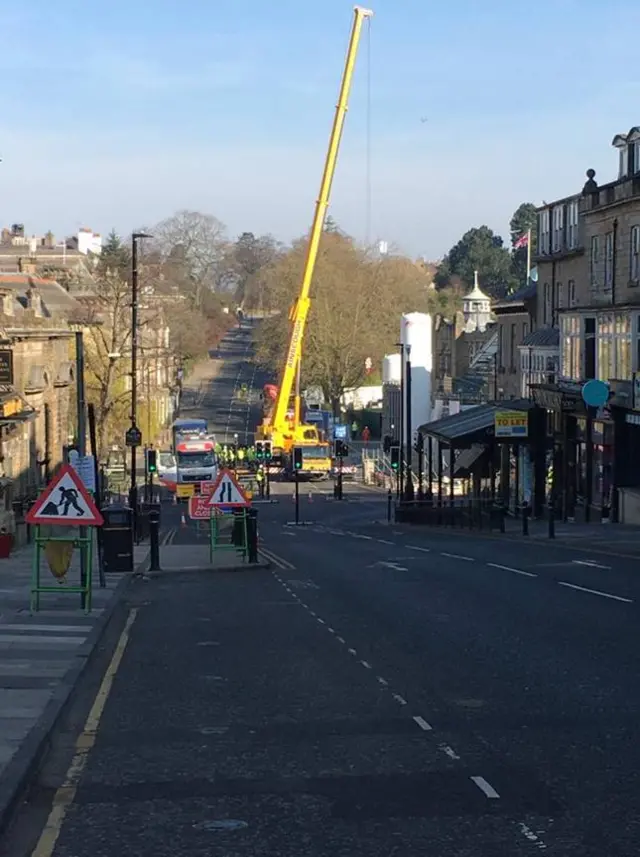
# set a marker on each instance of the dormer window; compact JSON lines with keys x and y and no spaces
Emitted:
{"x":624,"y":162}
{"x":636,"y":156}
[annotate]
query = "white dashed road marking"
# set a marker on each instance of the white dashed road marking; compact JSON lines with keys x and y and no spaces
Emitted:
{"x":457,"y":556}
{"x":514,"y":570}
{"x":596,"y":592}
{"x":485,"y":787}
{"x":591,"y":563}
{"x":416,"y":548}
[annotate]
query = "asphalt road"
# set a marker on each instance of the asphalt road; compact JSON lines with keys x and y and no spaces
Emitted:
{"x":382,"y":691}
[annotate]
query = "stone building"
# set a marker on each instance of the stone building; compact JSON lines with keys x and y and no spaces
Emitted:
{"x":36,"y":375}
{"x":589,"y":290}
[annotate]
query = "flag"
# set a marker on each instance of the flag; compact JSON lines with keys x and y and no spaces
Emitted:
{"x":522,"y":241}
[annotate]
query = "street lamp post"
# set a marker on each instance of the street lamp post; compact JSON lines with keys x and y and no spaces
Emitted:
{"x":133,"y":490}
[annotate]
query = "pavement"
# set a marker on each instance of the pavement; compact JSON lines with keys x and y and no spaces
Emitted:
{"x":595,"y":536}
{"x":381,"y":691}
{"x":42,"y":654}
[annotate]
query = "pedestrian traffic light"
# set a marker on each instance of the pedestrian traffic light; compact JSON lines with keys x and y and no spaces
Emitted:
{"x":259,"y":450}
{"x":297,"y":458}
{"x":267,"y":450}
{"x":152,"y":466}
{"x":395,"y":457}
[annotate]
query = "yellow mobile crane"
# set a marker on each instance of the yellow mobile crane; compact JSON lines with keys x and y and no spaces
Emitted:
{"x":283,"y":432}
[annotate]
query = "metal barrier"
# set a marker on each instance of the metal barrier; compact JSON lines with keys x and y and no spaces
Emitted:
{"x":464,"y":513}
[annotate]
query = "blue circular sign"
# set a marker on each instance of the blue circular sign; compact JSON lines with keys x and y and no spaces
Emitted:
{"x":595,"y":394}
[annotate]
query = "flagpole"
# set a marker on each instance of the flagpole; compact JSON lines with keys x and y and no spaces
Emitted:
{"x":528,"y":255}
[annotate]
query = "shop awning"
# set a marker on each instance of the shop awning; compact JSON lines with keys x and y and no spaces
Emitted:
{"x":473,"y":426}
{"x":14,"y":408}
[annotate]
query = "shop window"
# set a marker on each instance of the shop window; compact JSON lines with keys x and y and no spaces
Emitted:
{"x":570,"y":347}
{"x":606,"y":354}
{"x":589,"y":348}
{"x":622,"y":344}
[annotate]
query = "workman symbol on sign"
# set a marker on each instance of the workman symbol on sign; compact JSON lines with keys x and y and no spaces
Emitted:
{"x":68,"y":498}
{"x":225,"y":487}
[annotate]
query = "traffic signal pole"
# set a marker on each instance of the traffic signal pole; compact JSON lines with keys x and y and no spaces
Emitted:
{"x":297,"y":497}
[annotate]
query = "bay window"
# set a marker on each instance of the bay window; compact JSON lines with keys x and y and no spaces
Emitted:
{"x":606,"y":355}
{"x":570,"y":358}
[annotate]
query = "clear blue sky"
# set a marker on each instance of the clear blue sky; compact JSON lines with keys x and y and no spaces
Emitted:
{"x":116,"y":115}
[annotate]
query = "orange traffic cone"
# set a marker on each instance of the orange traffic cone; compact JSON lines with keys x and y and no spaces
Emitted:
{"x":175,"y":499}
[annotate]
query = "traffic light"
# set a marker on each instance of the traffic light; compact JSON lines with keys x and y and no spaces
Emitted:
{"x":297,"y":458}
{"x":341,"y":450}
{"x":395,"y":457}
{"x":267,"y":450}
{"x":259,"y":450}
{"x":152,"y":466}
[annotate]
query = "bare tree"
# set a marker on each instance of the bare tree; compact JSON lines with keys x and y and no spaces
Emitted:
{"x":193,"y":249}
{"x":357,"y":301}
{"x":107,"y":324}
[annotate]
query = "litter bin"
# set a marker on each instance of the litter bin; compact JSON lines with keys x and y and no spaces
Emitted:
{"x":117,"y":538}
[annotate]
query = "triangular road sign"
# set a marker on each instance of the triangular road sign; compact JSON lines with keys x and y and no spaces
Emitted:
{"x":227,"y":491}
{"x":66,"y":502}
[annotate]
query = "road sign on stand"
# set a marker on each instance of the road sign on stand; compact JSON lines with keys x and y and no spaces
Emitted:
{"x":65,"y":502}
{"x":227,"y":493}
{"x":200,"y":508}
{"x":206,"y":488}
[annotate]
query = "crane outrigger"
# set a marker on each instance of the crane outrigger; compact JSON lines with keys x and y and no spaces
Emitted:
{"x":283,"y":432}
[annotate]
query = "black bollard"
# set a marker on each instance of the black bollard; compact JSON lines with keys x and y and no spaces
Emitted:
{"x":154,"y":540}
{"x":389,"y":502}
{"x":552,"y":519}
{"x":525,"y":519}
{"x":252,"y":535}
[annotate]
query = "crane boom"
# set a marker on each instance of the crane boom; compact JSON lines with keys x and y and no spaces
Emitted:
{"x":278,"y":422}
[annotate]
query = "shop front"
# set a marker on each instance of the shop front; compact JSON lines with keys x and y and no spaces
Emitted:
{"x":581,"y":451}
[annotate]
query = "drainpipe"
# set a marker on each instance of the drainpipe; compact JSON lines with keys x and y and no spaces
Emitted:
{"x":614,"y":259}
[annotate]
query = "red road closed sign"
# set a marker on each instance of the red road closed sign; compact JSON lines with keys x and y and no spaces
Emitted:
{"x":199,"y":507}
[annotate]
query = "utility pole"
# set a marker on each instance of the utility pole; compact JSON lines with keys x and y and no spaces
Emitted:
{"x":134,"y":437}
{"x":82,"y":446}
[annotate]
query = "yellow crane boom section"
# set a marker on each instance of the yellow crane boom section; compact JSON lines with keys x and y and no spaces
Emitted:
{"x":278,"y":424}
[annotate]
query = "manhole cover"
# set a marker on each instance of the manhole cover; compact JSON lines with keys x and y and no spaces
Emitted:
{"x":222,"y":824}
